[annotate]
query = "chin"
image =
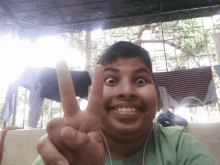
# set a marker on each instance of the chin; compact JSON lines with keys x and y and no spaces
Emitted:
{"x":126,"y":131}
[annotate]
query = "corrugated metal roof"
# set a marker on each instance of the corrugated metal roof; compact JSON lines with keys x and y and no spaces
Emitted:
{"x":33,"y":18}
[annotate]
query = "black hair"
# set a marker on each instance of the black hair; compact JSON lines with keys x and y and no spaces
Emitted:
{"x":125,"y":49}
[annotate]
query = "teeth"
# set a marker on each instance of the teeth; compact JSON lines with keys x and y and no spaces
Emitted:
{"x":119,"y":109}
{"x":126,"y":109}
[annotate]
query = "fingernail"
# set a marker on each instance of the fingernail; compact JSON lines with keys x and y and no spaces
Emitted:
{"x":61,"y":163}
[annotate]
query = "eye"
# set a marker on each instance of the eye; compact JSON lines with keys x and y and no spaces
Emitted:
{"x":140,"y":81}
{"x":110,"y":80}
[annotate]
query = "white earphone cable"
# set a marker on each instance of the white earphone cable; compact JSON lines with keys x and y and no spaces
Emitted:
{"x":144,"y":146}
{"x":146,"y":143}
{"x":107,"y":147}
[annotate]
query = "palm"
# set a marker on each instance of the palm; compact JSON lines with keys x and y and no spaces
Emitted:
{"x":86,"y":124}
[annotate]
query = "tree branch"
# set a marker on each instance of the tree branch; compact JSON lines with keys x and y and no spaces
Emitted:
{"x":168,"y":43}
{"x":150,"y":27}
{"x":200,"y":55}
{"x":78,"y":42}
{"x":142,"y":29}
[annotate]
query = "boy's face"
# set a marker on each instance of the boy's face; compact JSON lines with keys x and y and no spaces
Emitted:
{"x":129,"y":99}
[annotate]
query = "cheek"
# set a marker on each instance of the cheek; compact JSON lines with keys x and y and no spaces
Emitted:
{"x":149,"y":97}
{"x":107,"y":95}
{"x":149,"y":93}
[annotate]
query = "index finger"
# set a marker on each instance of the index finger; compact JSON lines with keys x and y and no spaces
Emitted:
{"x":95,"y":102}
{"x":66,"y":88}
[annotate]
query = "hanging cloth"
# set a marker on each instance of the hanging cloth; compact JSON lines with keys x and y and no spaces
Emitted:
{"x":217,"y":69}
{"x":29,"y":80}
{"x":176,"y":86}
{"x":50,"y":89}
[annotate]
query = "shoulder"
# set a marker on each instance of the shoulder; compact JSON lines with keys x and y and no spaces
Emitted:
{"x":38,"y":161}
{"x":167,"y":137}
{"x":170,"y":134}
{"x":173,"y":142}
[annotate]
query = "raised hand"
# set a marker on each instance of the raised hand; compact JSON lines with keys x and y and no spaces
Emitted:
{"x":75,"y":138}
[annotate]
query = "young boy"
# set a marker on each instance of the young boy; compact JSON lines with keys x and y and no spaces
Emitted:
{"x":117,"y":127}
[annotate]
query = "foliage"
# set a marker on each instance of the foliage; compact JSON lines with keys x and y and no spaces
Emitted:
{"x":76,"y":40}
{"x":190,"y":35}
{"x":1,"y":108}
{"x":111,"y":36}
{"x":50,"y":110}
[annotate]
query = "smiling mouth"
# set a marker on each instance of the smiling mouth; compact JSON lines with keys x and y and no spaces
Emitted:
{"x":126,"y":110}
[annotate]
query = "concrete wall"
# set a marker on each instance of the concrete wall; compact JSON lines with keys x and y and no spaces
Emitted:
{"x":20,"y":146}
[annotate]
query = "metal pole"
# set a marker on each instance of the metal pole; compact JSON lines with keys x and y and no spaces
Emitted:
{"x":208,"y":112}
{"x":197,"y":114}
{"x":42,"y":117}
{"x":164,"y":48}
{"x":15,"y":109}
{"x":24,"y":107}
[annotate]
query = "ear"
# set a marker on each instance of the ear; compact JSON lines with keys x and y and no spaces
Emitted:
{"x":89,"y":91}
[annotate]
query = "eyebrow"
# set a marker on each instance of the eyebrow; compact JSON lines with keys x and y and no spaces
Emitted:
{"x":142,"y":70}
{"x":136,"y":71}
{"x":111,"y":69}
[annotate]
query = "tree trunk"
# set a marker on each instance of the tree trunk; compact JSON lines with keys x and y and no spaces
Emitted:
{"x":88,"y":51}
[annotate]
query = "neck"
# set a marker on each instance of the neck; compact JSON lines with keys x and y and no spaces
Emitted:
{"x":122,"y":149}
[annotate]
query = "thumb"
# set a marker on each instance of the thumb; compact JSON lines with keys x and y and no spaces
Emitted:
{"x":73,"y":138}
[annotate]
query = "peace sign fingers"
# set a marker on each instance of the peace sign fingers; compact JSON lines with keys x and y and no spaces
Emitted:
{"x":95,"y":103}
{"x":66,"y":88}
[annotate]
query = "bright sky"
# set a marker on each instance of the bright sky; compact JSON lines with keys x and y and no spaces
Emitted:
{"x":17,"y":55}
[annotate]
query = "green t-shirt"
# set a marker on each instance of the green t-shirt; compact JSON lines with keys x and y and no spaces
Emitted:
{"x":165,"y":146}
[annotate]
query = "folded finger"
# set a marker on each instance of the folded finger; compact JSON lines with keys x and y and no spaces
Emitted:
{"x":49,"y":152}
{"x":54,"y":128}
{"x":66,"y":88}
{"x":86,"y":146}
{"x":96,"y":96}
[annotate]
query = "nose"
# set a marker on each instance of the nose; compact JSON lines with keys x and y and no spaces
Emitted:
{"x":126,"y":91}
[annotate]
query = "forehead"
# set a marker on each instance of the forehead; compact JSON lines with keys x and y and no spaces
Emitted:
{"x":127,"y":63}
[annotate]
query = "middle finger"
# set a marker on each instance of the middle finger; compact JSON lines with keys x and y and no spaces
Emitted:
{"x":96,"y":96}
